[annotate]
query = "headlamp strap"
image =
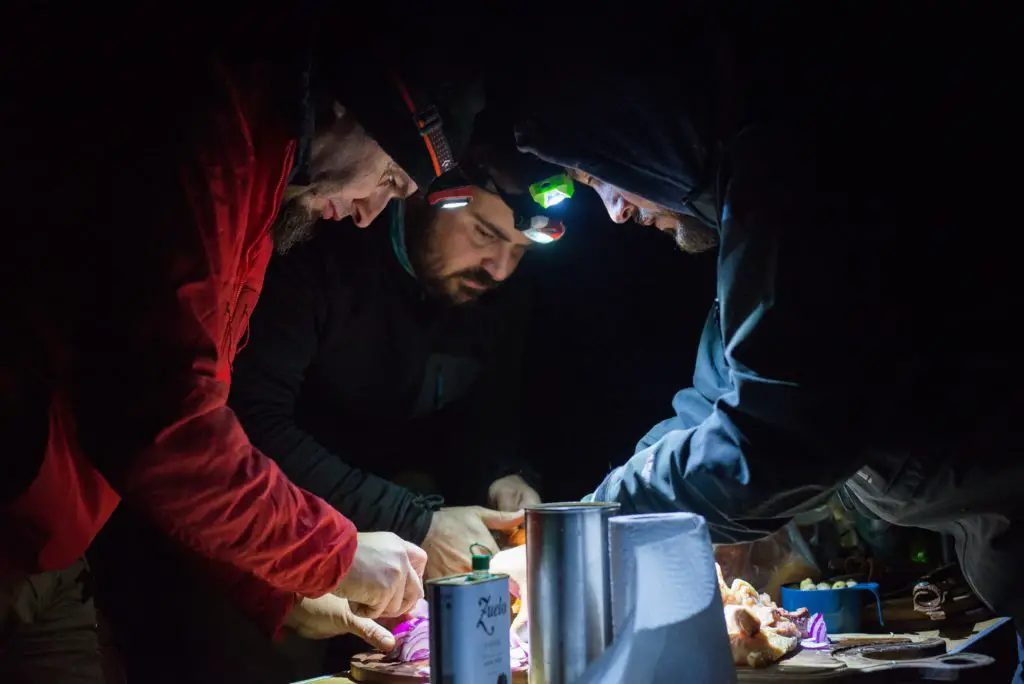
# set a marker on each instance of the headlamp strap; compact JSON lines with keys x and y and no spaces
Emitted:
{"x":428,"y":122}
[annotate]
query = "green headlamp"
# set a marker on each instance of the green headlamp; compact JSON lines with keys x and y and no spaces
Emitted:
{"x":552,"y":190}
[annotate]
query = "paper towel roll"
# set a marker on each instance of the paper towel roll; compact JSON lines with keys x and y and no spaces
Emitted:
{"x":667,"y":614}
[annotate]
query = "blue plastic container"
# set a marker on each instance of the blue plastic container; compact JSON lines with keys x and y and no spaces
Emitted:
{"x":839,"y":607}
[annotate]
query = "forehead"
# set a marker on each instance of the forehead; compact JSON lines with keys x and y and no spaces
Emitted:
{"x":490,"y":210}
{"x":579,"y":176}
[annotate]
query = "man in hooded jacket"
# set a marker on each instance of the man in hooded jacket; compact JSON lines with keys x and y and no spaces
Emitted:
{"x":846,"y":346}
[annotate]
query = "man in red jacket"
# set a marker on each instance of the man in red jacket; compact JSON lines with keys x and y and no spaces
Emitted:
{"x":150,"y":181}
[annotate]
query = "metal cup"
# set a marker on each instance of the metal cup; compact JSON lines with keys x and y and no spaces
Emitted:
{"x":569,"y":589}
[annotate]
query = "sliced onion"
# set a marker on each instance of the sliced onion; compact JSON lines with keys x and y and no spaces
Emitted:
{"x":415,"y":644}
{"x":412,"y":636}
{"x":817,"y":635}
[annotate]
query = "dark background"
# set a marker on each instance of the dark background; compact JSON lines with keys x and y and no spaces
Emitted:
{"x":617,"y":316}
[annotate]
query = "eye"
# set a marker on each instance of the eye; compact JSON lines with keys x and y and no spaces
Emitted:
{"x":483,"y":232}
{"x":389,"y":178}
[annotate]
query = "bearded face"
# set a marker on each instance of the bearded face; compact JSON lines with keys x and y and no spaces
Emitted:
{"x":460,"y":255}
{"x":350,"y":177}
{"x":691,"y":235}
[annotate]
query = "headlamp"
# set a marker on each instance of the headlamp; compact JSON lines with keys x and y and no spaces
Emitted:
{"x":454,"y":190}
{"x":537,"y":228}
{"x":543,"y":230}
{"x":451,"y":198}
{"x":550,"y":191}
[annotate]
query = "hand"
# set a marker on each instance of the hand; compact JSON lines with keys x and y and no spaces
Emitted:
{"x":454,"y":530}
{"x":330,"y":616}
{"x":512,"y":562}
{"x":385,"y":577}
{"x":511,"y":493}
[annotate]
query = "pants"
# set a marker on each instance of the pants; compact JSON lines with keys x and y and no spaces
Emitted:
{"x":48,"y":632}
{"x":170,"y":625}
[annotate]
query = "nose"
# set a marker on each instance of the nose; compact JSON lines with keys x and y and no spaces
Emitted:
{"x":619,"y":210}
{"x":502,"y":264}
{"x":366,"y":209}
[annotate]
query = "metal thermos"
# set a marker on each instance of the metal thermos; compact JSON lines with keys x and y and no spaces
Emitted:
{"x":569,"y":589}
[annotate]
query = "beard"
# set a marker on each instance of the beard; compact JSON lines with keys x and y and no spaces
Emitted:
{"x":294,"y":224}
{"x":451,"y":289}
{"x":690,"y":234}
{"x":447,"y":289}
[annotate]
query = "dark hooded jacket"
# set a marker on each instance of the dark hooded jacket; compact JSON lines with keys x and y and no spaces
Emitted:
{"x":838,"y":337}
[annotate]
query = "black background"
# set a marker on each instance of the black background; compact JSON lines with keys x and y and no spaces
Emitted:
{"x":617,"y":316}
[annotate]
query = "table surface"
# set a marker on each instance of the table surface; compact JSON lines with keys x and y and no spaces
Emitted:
{"x":951,"y":645}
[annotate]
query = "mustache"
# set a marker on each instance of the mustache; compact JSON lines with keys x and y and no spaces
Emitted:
{"x":643,"y":216}
{"x":479,"y":276}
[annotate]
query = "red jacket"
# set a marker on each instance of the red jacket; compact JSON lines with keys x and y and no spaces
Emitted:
{"x":199,"y":258}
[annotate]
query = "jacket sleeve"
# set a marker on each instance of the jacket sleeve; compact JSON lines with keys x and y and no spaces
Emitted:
{"x":149,"y":337}
{"x":267,"y":384}
{"x":809,"y":388}
{"x":691,"y":407}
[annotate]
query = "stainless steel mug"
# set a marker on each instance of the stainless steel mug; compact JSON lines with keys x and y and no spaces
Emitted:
{"x":567,"y":574}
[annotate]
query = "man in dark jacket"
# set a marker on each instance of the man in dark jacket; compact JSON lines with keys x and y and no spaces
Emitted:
{"x":846,"y":344}
{"x":394,"y":356}
{"x":378,"y":357}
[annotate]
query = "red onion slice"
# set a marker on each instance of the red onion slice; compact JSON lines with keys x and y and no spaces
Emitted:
{"x":412,"y":636}
{"x":416,"y":644}
{"x":817,"y":635}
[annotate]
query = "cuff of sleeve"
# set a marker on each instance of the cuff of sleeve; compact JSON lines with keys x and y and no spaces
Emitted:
{"x":272,"y":610}
{"x":416,"y":526}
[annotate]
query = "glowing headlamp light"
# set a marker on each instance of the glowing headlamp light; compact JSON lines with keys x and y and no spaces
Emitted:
{"x":543,"y":230}
{"x":552,"y":190}
{"x":455,"y":192}
{"x":451,"y":198}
